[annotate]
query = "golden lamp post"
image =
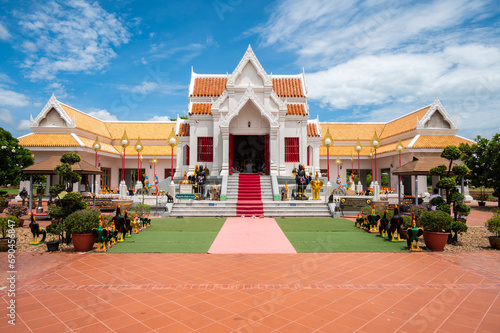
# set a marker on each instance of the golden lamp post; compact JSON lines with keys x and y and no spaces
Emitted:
{"x":96,"y":146}
{"x":154,"y":166}
{"x":375,"y":144}
{"x":358,"y":148}
{"x":328,"y":142}
{"x":399,"y":148}
{"x":337,"y":161}
{"x":172,"y":141}
{"x":124,"y":142}
{"x":139,"y":147}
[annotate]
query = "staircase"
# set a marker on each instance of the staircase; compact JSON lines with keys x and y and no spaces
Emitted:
{"x":249,"y":195}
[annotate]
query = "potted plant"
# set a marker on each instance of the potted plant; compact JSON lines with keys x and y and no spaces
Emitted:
{"x":493,"y":225}
{"x":54,"y":229}
{"x":80,"y":224}
{"x":17,"y":211}
{"x":436,"y":224}
{"x":405,"y":226}
{"x":4,"y":226}
{"x":4,"y":202}
{"x":482,"y":198}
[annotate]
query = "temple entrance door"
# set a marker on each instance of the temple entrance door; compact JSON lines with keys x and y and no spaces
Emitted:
{"x":230,"y":154}
{"x":249,"y":149}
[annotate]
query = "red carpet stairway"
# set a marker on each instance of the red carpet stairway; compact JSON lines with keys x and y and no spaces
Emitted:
{"x":249,"y":195}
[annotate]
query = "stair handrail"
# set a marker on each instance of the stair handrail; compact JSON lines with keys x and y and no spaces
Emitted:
{"x":276,"y":189}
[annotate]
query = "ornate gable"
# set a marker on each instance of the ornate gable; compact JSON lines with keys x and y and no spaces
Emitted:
{"x":52,"y":115}
{"x":437,"y":117}
{"x":249,"y":65}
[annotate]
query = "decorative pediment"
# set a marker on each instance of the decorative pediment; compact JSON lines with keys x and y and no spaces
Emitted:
{"x":437,"y":117}
{"x":52,"y":115}
{"x":248,"y":96}
{"x":249,"y":58}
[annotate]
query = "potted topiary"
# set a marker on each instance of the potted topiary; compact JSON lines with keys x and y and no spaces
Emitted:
{"x":17,"y":211}
{"x":436,"y":223}
{"x":5,"y":225}
{"x":482,"y":198}
{"x":54,"y":229}
{"x":80,"y":224}
{"x":493,"y":225}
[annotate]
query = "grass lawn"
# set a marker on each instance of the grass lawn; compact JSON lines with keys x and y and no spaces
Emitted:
{"x":171,"y":235}
{"x":334,"y":235}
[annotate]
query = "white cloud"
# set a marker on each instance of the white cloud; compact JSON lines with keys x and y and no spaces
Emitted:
{"x":23,"y":126}
{"x":6,"y":117}
{"x":102,"y":115}
{"x":12,"y":98}
{"x":73,"y":36}
{"x":4,"y":33}
{"x":160,"y":118}
{"x":147,"y":87}
{"x":58,"y":90}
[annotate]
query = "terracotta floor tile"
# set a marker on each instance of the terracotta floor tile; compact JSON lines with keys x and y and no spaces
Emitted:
{"x":334,"y":327}
{"x":295,"y":327}
{"x":158,"y":322}
{"x":97,"y":327}
{"x":59,"y":327}
{"x":350,"y":321}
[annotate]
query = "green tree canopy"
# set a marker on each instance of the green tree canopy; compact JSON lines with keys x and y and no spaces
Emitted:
{"x":483,"y":159}
{"x":13,"y":158}
{"x":65,"y":171}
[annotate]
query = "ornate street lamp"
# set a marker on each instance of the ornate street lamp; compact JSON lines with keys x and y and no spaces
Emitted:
{"x":375,"y":144}
{"x":96,"y":146}
{"x":358,"y":148}
{"x":328,"y":142}
{"x":172,"y":141}
{"x":138,"y":147}
{"x":399,"y":148}
{"x":352,"y":162}
{"x":124,"y":142}
{"x":337,"y":161}
{"x":154,"y":164}
{"x":371,"y":158}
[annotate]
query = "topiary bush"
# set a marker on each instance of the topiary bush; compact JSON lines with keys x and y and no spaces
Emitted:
{"x":82,"y":221}
{"x":436,"y":221}
{"x":16,"y":210}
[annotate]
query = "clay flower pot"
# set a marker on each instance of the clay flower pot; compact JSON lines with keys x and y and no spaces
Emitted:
{"x":435,"y":241}
{"x":83,"y":242}
{"x":494,"y":242}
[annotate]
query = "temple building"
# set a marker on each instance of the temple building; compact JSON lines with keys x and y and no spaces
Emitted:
{"x":246,"y":119}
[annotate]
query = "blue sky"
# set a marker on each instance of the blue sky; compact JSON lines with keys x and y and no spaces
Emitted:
{"x":367,"y":60}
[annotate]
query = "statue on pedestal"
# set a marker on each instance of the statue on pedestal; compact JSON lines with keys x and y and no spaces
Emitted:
{"x":316,"y":186}
{"x":214,"y":191}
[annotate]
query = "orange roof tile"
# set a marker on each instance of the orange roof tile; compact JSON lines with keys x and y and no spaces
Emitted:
{"x":48,"y":140}
{"x":209,"y":86}
{"x":85,"y":122}
{"x":288,"y":87}
{"x":105,"y":147}
{"x":201,"y":108}
{"x":184,"y":129}
{"x":296,"y":110}
{"x":342,"y":151}
{"x":147,"y":131}
{"x":403,"y":124}
{"x":439,"y":141}
{"x":350,"y":132}
{"x":312,"y":130}
{"x":392,"y":146}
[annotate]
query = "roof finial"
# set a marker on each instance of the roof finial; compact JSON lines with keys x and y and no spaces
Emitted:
{"x":249,"y":47}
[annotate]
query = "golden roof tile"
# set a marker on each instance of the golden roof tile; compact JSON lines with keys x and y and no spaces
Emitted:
{"x":296,"y":110}
{"x":350,"y":132}
{"x":404,"y":124}
{"x":439,"y":141}
{"x":149,"y":150}
{"x":85,"y":122}
{"x":147,"y":131}
{"x":48,"y":140}
{"x":105,"y":147}
{"x":201,"y":108}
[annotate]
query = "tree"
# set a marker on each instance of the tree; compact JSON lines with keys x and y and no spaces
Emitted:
{"x":13,"y":158}
{"x":483,"y":158}
{"x":65,"y":171}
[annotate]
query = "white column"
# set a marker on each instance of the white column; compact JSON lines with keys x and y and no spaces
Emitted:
{"x":225,"y":152}
{"x":274,"y":154}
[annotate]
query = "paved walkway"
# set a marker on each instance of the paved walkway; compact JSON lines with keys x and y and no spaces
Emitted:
{"x":251,"y":235}
{"x":327,"y":292}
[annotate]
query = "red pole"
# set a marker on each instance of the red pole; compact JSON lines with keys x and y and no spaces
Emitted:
{"x":172,"y":166}
{"x":154,"y":170}
{"x":375,"y":164}
{"x":138,"y":167}
{"x":359,"y":174}
{"x":123,"y":165}
{"x":338,"y":172}
{"x":328,"y":158}
{"x":372,"y":170}
{"x":95,"y":159}
{"x":140,"y":172}
{"x":400,"y":166}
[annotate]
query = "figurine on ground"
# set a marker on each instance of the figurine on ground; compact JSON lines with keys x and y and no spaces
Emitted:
{"x":373,"y":220}
{"x":413,"y":234}
{"x":395,"y":226}
{"x":316,"y":186}
{"x":383,"y":225}
{"x":128,"y":227}
{"x":119,"y":222}
{"x":101,"y":236}
{"x":36,"y":230}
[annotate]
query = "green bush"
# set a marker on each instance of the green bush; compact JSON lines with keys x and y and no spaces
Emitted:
{"x":437,"y":221}
{"x":17,"y":210}
{"x":493,"y":225}
{"x":418,"y":211}
{"x":139,"y":208}
{"x":54,"y":190}
{"x":82,"y":221}
{"x":55,"y":229}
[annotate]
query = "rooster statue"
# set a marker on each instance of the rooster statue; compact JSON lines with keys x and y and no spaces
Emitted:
{"x":101,"y":236}
{"x":383,"y":225}
{"x":357,"y":223}
{"x":112,"y":235}
{"x":128,"y":227}
{"x":373,"y":220}
{"x":135,"y":225}
{"x":395,"y":226}
{"x":36,"y":230}
{"x":413,"y":234}
{"x":119,"y":222}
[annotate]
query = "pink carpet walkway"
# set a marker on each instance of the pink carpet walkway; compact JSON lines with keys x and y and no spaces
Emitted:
{"x":251,"y":235}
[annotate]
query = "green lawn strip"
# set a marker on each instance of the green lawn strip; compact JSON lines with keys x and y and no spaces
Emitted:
{"x":334,"y":235}
{"x":188,"y":235}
